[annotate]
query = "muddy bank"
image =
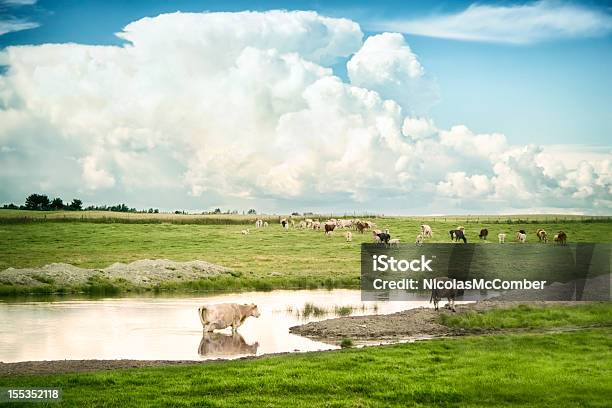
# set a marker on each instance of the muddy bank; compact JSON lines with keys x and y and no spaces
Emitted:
{"x":413,"y":323}
{"x":78,"y":366}
{"x":73,"y":366}
{"x":143,"y":273}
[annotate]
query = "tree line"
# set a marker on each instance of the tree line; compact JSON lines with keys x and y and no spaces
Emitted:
{"x":41,"y":202}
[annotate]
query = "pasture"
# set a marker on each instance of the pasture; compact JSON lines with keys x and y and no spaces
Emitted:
{"x":521,"y":366}
{"x":267,"y":258}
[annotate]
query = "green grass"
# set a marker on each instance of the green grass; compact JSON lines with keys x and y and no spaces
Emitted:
{"x":346,"y":343}
{"x":343,"y":310}
{"x":538,"y":370}
{"x":526,"y":316}
{"x":310,"y":309}
{"x":266,"y":259}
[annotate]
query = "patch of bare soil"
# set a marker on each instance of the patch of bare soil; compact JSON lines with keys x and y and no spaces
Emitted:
{"x":75,"y":366}
{"x":412,"y":323}
{"x":143,"y":273}
{"x":71,"y":366}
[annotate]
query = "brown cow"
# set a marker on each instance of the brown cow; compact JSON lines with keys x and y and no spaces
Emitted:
{"x":361,"y":226}
{"x":561,"y":238}
{"x":329,"y":228}
{"x":484,"y":233}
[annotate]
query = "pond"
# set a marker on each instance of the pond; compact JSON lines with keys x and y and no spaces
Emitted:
{"x":166,"y":328}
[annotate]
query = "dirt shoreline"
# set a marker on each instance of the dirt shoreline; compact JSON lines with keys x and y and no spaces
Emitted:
{"x":413,"y":323}
{"x":49,"y":367}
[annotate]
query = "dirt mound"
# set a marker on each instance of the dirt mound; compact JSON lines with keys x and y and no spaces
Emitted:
{"x":145,"y":272}
{"x":409,"y":323}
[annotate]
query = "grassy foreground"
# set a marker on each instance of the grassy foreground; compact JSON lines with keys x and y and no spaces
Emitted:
{"x":567,"y":369}
{"x":267,"y":258}
{"x":528,"y":316}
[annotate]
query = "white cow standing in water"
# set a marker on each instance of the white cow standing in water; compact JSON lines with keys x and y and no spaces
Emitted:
{"x":225,"y":315}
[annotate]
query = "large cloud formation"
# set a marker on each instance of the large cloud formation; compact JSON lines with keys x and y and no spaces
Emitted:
{"x":243,"y":109}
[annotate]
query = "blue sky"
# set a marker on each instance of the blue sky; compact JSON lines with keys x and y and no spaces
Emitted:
{"x":490,"y":106}
{"x":556,"y":91}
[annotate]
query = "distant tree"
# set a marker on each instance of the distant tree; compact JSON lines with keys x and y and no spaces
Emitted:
{"x":295,"y":214}
{"x":75,"y":205}
{"x":57,"y":204}
{"x":37,"y":202}
{"x":217,"y":211}
{"x":10,"y":206}
{"x":156,"y":211}
{"x":121,"y":208}
{"x":251,"y":212}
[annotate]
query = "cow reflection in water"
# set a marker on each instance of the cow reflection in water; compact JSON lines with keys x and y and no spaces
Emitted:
{"x":220,"y":345}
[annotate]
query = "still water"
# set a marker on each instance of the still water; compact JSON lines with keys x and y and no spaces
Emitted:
{"x":166,"y":328}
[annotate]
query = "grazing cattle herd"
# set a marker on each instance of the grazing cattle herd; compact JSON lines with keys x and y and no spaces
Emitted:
{"x":384,"y":236}
{"x":221,"y":316}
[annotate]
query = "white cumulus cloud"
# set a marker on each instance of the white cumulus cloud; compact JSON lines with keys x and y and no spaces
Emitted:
{"x":387,"y":65}
{"x":418,"y":128}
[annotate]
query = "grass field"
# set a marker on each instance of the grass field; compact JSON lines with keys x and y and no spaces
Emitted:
{"x":526,"y":316}
{"x":267,"y":258}
{"x":545,"y":370}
